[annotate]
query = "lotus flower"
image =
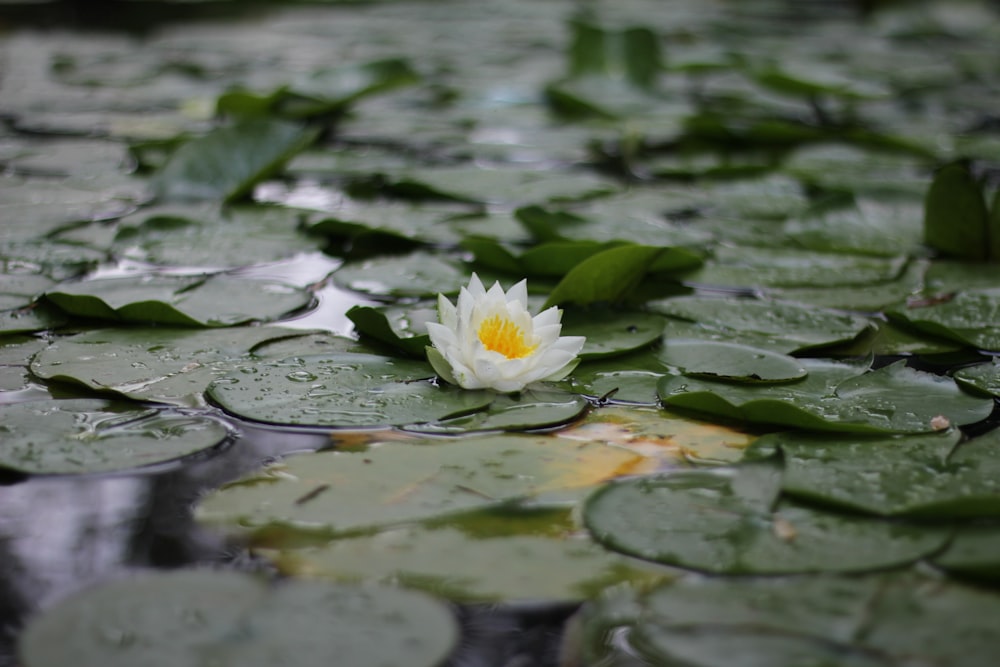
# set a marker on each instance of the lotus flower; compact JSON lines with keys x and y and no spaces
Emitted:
{"x":491,"y":341}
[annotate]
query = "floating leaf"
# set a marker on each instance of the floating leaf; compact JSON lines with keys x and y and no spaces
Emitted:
{"x":154,"y":364}
{"x":607,"y":277}
{"x":834,"y":397}
{"x":967,"y":317}
{"x":418,"y":274}
{"x":727,"y":523}
{"x":858,"y":621}
{"x":228,"y":162}
{"x":956,"y":221}
{"x":477,"y":557}
{"x":335,"y":493}
{"x":529,"y":409}
{"x":981,"y":377}
{"x":218,"y":300}
{"x":729,"y":361}
{"x":914,"y":476}
{"x":91,"y":435}
{"x":609,"y":332}
{"x":231,"y":618}
{"x":376,"y":322}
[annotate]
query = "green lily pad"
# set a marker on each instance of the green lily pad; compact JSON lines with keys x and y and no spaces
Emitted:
{"x":333,"y":493}
{"x":92,"y":435}
{"x":154,"y":364}
{"x":353,"y":220}
{"x":21,"y":289}
{"x":39,"y":317}
{"x":956,"y":220}
{"x":395,"y":326}
{"x":913,"y":476}
{"x":729,"y":361}
{"x":218,"y":300}
{"x":418,"y":274}
{"x":324,"y":92}
{"x":207,"y":236}
{"x":611,"y":333}
{"x":231,"y":618}
{"x":529,"y":409}
{"x":858,"y":621}
{"x":730,"y":523}
{"x":228,"y":162}
{"x":749,"y":267}
{"x":981,"y":377}
{"x":973,"y":552}
{"x":609,"y":276}
{"x":631,"y":378}
{"x":497,"y":186}
{"x":342,"y":391}
{"x":477,"y":557}
{"x":967,"y":317}
{"x":834,"y":397}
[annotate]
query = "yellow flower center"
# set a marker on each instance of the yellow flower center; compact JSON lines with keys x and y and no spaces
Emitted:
{"x":499,"y":334}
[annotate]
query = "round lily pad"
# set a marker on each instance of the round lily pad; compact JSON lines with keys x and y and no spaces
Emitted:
{"x":730,"y":361}
{"x":203,"y":617}
{"x":333,"y":493}
{"x":835,"y":397}
{"x":218,"y":300}
{"x":485,"y":556}
{"x":610,"y":333}
{"x":342,"y":391}
{"x":981,"y":377}
{"x":164,"y":364}
{"x":93,"y":435}
{"x":967,"y":317}
{"x":531,"y":409}
{"x":417,"y":275}
{"x":878,"y":620}
{"x":728,"y":524}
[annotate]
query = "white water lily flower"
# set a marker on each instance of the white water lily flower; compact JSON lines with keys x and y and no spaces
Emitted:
{"x":491,"y":341}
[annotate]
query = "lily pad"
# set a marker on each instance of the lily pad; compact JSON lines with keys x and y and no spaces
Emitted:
{"x":631,"y":378}
{"x":21,"y":289}
{"x":229,"y":161}
{"x":913,"y":476}
{"x":92,"y":435}
{"x":749,"y":267}
{"x":834,"y":397}
{"x":981,"y":377}
{"x":342,"y":391}
{"x":967,"y":317}
{"x":529,"y":409}
{"x":418,"y":274}
{"x":611,"y":333}
{"x":333,"y":493}
{"x":730,"y":523}
{"x":858,"y":621}
{"x":153,"y":364}
{"x":218,"y":300}
{"x":729,"y":361}
{"x":973,"y":552}
{"x":477,"y":557}
{"x":392,"y":326}
{"x":207,"y":236}
{"x":231,"y":618}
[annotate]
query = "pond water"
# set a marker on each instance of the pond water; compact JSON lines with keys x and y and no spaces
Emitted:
{"x":224,"y":227}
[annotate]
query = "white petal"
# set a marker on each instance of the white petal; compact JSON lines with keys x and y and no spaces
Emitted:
{"x":476,"y":288}
{"x":547,"y":317}
{"x":447,"y":314}
{"x":571,"y":344}
{"x":519,"y":293}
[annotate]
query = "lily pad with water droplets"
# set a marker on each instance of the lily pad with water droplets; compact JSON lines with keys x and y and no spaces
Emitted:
{"x":93,"y":435}
{"x":834,"y":397}
{"x":729,"y":522}
{"x":154,"y":364}
{"x":218,"y":300}
{"x":528,"y":409}
{"x":227,"y":618}
{"x":981,"y":377}
{"x":333,"y":493}
{"x":419,"y":274}
{"x":729,"y":361}
{"x":968,"y":317}
{"x":342,"y":391}
{"x":782,"y":326}
{"x":876,"y":620}
{"x":922,"y":475}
